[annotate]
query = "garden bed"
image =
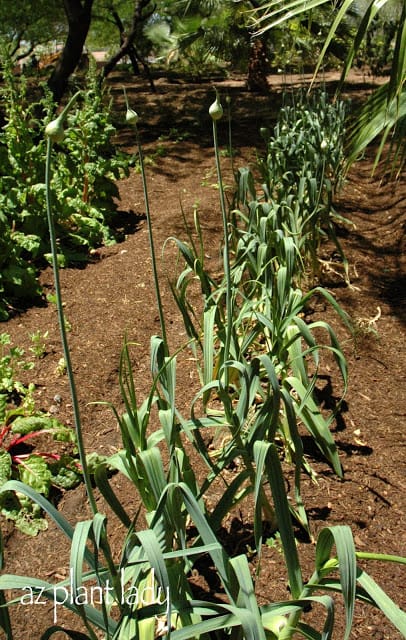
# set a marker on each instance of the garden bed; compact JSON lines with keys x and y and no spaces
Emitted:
{"x":113,"y":297}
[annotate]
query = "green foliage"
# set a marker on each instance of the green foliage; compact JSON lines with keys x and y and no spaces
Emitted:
{"x":301,"y":172}
{"x":149,"y":565}
{"x":39,"y":471}
{"x":87,"y":172}
{"x":12,"y":364}
{"x":296,"y":45}
{"x":38,"y":348}
{"x":28,"y":23}
{"x":376,"y":52}
{"x":201,"y":35}
{"x":105,"y":30}
{"x":209,"y":36}
{"x":20,"y":424}
{"x":84,"y":184}
{"x":257,"y":355}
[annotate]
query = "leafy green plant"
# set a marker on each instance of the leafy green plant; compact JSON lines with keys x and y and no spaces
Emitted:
{"x":382,"y":117}
{"x":85,"y":179}
{"x":376,"y":52}
{"x":301,"y":172}
{"x":21,"y":424}
{"x":38,"y":340}
{"x":12,"y":364}
{"x":41,"y":471}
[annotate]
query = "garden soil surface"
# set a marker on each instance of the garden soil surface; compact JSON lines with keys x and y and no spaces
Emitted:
{"x":113,"y":298}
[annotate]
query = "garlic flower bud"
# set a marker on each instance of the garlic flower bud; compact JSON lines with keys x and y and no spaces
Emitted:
{"x":54,"y":130}
{"x":131,"y":116}
{"x":216,"y":110}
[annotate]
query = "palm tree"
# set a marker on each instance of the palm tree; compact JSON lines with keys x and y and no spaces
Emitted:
{"x":221,"y":28}
{"x":384,"y":113}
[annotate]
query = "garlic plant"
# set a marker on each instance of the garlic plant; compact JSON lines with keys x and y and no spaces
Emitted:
{"x":132,"y":119}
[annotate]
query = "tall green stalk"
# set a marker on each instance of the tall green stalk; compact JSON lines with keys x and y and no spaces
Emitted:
{"x":54,"y":132}
{"x":132,"y":118}
{"x":230,"y":143}
{"x":216,"y":112}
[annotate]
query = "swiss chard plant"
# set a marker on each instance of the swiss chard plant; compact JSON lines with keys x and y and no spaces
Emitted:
{"x":84,"y":178}
{"x":22,"y":425}
{"x":40,"y":470}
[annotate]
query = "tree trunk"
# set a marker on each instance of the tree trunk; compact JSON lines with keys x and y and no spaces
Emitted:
{"x":127,"y":43}
{"x":258,"y":67}
{"x":78,"y":13}
{"x":131,"y":53}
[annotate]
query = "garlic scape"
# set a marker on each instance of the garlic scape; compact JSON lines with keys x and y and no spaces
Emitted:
{"x":216,"y":110}
{"x":131,"y":116}
{"x":55,"y":129}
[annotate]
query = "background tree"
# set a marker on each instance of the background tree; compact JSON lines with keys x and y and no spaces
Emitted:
{"x":78,"y":14}
{"x":28,"y":23}
{"x":131,"y":36}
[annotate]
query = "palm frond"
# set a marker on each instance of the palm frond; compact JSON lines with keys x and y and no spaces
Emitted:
{"x":378,"y":117}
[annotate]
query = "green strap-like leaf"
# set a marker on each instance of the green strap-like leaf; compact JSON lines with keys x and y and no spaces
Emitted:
{"x":70,"y":633}
{"x":246,"y":596}
{"x":5,"y":623}
{"x":50,"y":591}
{"x":267,"y":459}
{"x":341,"y":536}
{"x":312,"y":418}
{"x":155,"y":556}
{"x":384,"y":602}
{"x":104,"y":487}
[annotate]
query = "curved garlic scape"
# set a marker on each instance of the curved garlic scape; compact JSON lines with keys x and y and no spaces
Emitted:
{"x":55,"y":129}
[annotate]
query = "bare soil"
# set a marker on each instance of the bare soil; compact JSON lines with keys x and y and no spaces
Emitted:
{"x":113,"y":297}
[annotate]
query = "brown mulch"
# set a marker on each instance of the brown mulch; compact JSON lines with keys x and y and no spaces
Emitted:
{"x":113,"y":297}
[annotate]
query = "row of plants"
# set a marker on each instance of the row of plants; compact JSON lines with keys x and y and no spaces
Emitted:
{"x":258,"y":358}
{"x":85,"y":181}
{"x":257,"y":363}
